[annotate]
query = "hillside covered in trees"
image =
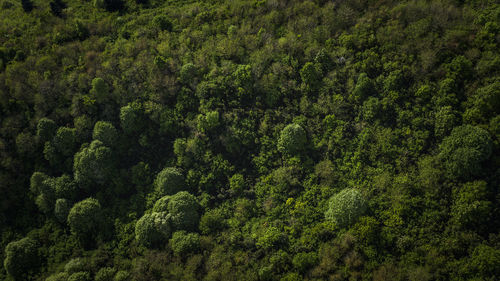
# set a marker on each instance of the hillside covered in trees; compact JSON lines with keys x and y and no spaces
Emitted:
{"x":249,"y":140}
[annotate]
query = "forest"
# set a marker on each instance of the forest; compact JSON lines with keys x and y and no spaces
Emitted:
{"x":253,"y":140}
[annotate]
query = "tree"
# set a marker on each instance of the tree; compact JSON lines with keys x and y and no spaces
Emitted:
{"x":212,"y":221}
{"x":445,"y":119}
{"x":21,"y":258}
{"x":162,"y":22}
{"x":184,"y":210}
{"x":80,"y":276}
{"x":131,"y":118}
{"x":153,"y":229}
{"x":106,"y":133}
{"x":187,"y":73}
{"x":311,"y":75}
{"x":471,"y":207}
{"x":292,"y":139}
{"x":364,"y":88}
{"x":61,"y":209}
{"x":45,"y":129}
{"x":85,"y":218}
{"x":304,"y":261}
{"x":208,"y":121}
{"x":61,"y":147}
{"x":93,"y":165}
{"x":183,"y":243}
{"x":464,"y":150}
{"x":169,"y":181}
{"x":100,"y":89}
{"x":345,"y":207}
{"x":105,"y":274}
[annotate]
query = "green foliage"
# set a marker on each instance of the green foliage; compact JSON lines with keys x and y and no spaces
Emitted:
{"x":122,"y":275}
{"x":46,"y":129}
{"x":106,"y":133}
{"x":61,"y":209}
{"x":61,"y":276}
{"x":162,"y":22}
{"x":471,"y":207}
{"x":131,"y":118}
{"x":464,"y":150}
{"x":21,"y":258}
{"x":93,"y":164}
{"x":212,"y":221}
{"x":100,"y":90}
{"x":311,"y":74}
{"x":237,"y":183}
{"x":208,"y":121}
{"x":292,"y":140}
{"x":304,"y":261}
{"x":85,"y":218}
{"x":184,"y":210}
{"x":364,"y":88}
{"x":169,"y":181}
{"x":183,"y":243}
{"x":187,"y":73}
{"x":485,"y":261}
{"x":398,"y":99}
{"x":80,"y":276}
{"x":271,"y":238}
{"x":345,"y":207}
{"x":153,"y":229}
{"x":105,"y":274}
{"x":75,"y":265}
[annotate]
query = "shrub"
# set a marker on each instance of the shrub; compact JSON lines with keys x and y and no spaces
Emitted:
{"x":464,"y":150}
{"x":345,"y":207}
{"x":183,"y":243}
{"x":85,"y":218}
{"x":21,"y":257}
{"x":292,"y":139}
{"x":169,"y":181}
{"x":106,"y":133}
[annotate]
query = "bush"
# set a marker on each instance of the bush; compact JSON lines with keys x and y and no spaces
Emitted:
{"x":345,"y":207}
{"x":304,"y":261}
{"x":292,"y":140}
{"x":212,"y":221}
{"x":184,"y":210}
{"x":46,"y":129}
{"x":85,"y":218}
{"x":61,"y":276}
{"x":93,"y":165}
{"x":169,"y":181}
{"x":61,"y":210}
{"x":80,"y":276}
{"x":162,"y":22}
{"x":105,"y":274}
{"x":463,"y":152}
{"x":106,"y":133}
{"x":21,"y":257}
{"x":131,"y":119}
{"x":183,"y":243}
{"x":153,"y":229}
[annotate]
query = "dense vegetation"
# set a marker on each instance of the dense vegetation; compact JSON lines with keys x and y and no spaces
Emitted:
{"x":249,"y":140}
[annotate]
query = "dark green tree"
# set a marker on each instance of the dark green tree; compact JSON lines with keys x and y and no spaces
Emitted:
{"x":106,"y":133}
{"x":93,"y":165}
{"x":21,"y":258}
{"x":292,"y":140}
{"x":345,"y":207}
{"x":85,"y":218}
{"x":169,"y":181}
{"x":464,"y":150}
